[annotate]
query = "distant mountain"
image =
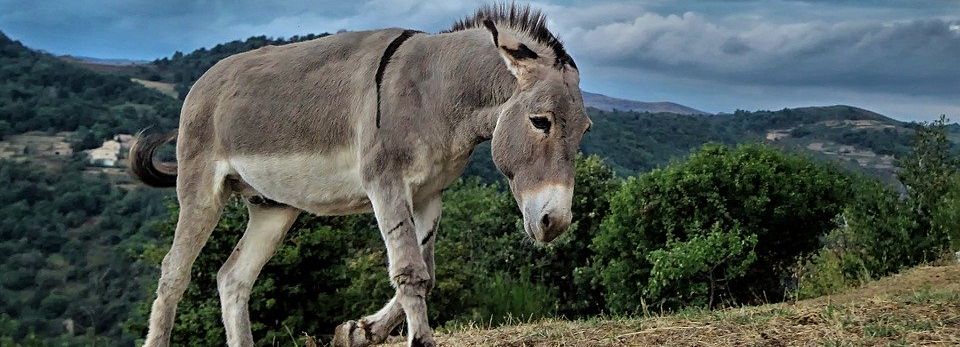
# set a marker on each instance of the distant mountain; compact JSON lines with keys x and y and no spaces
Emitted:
{"x":606,"y":103}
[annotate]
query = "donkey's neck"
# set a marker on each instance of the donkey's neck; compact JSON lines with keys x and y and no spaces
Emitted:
{"x":476,"y":81}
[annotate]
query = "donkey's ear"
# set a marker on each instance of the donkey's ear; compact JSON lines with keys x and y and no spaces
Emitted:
{"x":520,"y":59}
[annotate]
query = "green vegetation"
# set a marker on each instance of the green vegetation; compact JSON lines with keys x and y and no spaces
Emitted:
{"x":637,"y":142}
{"x":883,"y":231}
{"x":69,"y":240}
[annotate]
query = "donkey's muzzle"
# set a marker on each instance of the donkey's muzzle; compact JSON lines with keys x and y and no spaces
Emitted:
{"x":546,"y":212}
{"x":552,"y":225}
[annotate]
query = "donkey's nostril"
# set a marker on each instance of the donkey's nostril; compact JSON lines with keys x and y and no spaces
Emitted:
{"x":545,"y":220}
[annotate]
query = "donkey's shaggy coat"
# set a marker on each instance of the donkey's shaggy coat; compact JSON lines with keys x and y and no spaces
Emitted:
{"x":377,"y":121}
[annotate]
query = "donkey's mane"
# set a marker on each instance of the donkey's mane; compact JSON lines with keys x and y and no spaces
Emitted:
{"x":521,"y":18}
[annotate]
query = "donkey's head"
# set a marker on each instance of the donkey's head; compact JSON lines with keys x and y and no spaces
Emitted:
{"x":538,"y":130}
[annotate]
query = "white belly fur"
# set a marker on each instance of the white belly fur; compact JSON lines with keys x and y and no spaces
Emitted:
{"x":320,"y":184}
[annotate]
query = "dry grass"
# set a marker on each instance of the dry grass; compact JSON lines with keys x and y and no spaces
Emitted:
{"x":918,"y":307}
{"x":167,"y":88}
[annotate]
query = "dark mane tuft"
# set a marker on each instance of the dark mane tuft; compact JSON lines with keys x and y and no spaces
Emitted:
{"x":520,"y":18}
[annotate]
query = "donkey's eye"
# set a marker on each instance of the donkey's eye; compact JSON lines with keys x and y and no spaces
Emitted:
{"x":541,"y":123}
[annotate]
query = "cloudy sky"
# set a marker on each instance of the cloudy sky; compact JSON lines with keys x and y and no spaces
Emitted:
{"x":900,"y":58}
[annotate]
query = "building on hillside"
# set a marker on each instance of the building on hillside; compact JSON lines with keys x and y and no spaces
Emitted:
{"x":110,"y":153}
{"x":107,"y":155}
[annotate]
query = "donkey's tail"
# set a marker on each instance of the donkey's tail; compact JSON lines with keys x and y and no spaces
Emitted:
{"x":142,"y":165}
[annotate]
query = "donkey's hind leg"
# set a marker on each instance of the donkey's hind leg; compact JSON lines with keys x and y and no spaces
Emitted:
{"x":201,"y":196}
{"x":268,"y":224}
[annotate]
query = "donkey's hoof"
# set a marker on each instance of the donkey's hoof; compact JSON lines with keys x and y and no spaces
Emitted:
{"x":353,"y":334}
{"x":422,"y":341}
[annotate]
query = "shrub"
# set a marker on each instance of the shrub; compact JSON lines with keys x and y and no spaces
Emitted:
{"x":947,"y":215}
{"x":734,"y":219}
{"x":693,"y":270}
{"x":879,"y":230}
{"x":928,"y":174}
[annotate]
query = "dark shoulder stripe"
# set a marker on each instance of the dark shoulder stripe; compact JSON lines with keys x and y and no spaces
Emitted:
{"x":385,"y":59}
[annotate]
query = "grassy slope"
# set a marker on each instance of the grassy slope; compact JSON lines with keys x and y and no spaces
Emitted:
{"x":918,"y":307}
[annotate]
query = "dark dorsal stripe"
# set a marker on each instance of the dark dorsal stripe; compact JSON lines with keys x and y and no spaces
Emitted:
{"x":385,"y":59}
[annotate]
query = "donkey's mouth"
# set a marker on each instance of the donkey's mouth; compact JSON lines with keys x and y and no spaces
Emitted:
{"x":546,"y":212}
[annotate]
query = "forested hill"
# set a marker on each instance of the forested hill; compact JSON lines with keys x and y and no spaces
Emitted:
{"x":41,"y":92}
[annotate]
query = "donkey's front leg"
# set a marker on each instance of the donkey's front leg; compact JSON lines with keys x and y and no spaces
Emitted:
{"x":375,"y":328}
{"x":409,"y":273}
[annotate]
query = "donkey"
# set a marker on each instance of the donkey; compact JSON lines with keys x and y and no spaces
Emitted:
{"x":379,"y":121}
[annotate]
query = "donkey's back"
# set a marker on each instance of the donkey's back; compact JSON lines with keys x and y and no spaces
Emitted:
{"x":295,"y":98}
{"x":282,"y":122}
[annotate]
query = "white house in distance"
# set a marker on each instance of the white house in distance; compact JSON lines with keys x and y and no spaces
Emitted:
{"x":110,"y":153}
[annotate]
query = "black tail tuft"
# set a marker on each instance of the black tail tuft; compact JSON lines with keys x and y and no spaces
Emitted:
{"x":160,"y":175}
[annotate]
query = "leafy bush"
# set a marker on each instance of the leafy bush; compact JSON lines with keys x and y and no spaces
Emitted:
{"x":879,"y":231}
{"x":947,"y":215}
{"x":828,"y":272}
{"x":734,"y":220}
{"x":690,"y":271}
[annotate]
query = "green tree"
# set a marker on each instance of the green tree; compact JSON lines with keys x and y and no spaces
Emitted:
{"x":929,"y":174}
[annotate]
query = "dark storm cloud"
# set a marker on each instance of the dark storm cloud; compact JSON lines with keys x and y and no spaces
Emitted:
{"x":910,"y":57}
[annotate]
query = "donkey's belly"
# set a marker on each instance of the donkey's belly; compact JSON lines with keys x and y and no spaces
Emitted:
{"x":319,"y":184}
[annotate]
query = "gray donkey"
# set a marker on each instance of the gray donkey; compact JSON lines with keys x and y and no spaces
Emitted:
{"x":377,"y":121}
